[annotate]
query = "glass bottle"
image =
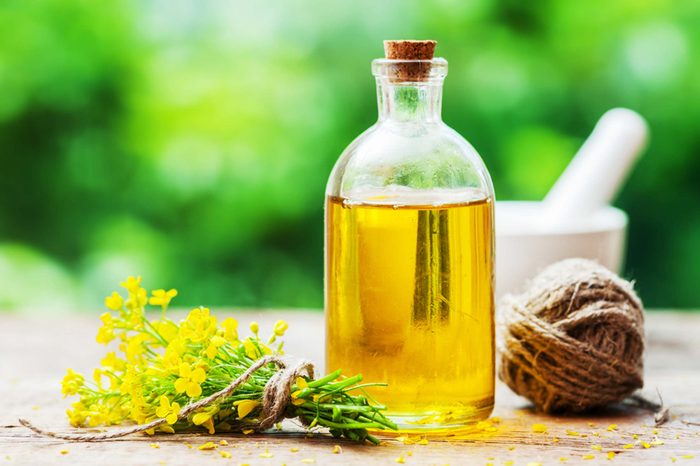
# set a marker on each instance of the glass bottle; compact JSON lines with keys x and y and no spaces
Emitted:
{"x":409,"y":258}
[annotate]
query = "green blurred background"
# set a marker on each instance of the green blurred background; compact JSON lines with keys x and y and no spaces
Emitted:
{"x":190,"y":141}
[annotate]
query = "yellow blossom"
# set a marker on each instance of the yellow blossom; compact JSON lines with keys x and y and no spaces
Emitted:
{"x":250,"y":349}
{"x":114,"y":301}
{"x":106,"y":333}
{"x":278,"y":330}
{"x":190,"y":380}
{"x":71,"y":383}
{"x":132,"y":284}
{"x":112,"y":361}
{"x":166,"y":428}
{"x":77,"y":414}
{"x":209,"y":425}
{"x":205,"y":418}
{"x":135,"y":348}
{"x":137,"y":300}
{"x":245,"y":407}
{"x":301,"y":382}
{"x":199,"y":325}
{"x":168,"y":410}
{"x":162,"y":298}
{"x":168,"y":330}
{"x":214,"y":344}
{"x":208,"y":446}
{"x":230,"y":326}
{"x":225,"y":454}
{"x":255,"y":328}
{"x":296,"y":401}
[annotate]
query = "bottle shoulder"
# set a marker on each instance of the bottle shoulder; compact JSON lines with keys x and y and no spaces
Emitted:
{"x":418,"y":156}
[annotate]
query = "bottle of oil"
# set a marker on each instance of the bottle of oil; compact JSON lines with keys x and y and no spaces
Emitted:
{"x":410,"y":255}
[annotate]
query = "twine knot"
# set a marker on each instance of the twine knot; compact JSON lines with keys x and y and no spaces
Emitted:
{"x":574,"y":340}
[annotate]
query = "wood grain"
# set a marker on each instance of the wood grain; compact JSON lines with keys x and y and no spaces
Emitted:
{"x":36,"y":350}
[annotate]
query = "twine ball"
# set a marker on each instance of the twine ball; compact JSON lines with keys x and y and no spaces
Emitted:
{"x":574,"y":340}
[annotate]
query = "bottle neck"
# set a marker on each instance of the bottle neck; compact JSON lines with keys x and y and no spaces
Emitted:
{"x":409,"y":102}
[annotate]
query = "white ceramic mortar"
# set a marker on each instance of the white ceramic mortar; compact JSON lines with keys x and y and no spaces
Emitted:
{"x":523,"y":247}
{"x":574,"y":220}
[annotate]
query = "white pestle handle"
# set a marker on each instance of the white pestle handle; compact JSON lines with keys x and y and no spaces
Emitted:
{"x":598,"y":170}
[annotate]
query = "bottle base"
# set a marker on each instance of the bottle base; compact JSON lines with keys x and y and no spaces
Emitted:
{"x":441,"y":421}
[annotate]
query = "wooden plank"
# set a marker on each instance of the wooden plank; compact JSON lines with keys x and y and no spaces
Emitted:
{"x":35,"y":350}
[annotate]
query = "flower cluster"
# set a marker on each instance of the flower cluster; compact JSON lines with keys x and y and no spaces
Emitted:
{"x":159,"y":366}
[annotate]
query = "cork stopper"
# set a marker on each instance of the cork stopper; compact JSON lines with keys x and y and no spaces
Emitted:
{"x":410,"y":50}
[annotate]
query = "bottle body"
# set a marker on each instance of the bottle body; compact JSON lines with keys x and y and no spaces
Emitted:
{"x":409,"y":265}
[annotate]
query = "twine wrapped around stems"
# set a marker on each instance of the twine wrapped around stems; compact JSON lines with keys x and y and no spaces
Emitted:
{"x":274,"y":402}
{"x":574,"y":340}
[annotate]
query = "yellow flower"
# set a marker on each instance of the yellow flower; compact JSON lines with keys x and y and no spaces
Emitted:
{"x":230,"y":326}
{"x":162,"y":298}
{"x":77,"y":414}
{"x":199,"y":325}
{"x":250,"y":349}
{"x":296,"y":401}
{"x":106,"y":333}
{"x":130,"y":381}
{"x":280,"y":327}
{"x":168,"y":410}
{"x":98,"y":415}
{"x":190,"y":380}
{"x":245,"y":407}
{"x":167,"y":329}
{"x":112,"y":361}
{"x":205,"y":418}
{"x":135,"y":348}
{"x":114,"y":301}
{"x":137,"y":299}
{"x":71,"y":383}
{"x":301,"y":382}
{"x":214,"y":344}
{"x":255,"y":328}
{"x":209,"y":425}
{"x":131,"y":284}
{"x":167,"y":429}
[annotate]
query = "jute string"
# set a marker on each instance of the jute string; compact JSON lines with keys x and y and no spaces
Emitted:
{"x":574,"y":340}
{"x":274,"y":402}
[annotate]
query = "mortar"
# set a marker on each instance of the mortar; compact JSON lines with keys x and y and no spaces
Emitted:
{"x":574,"y":219}
{"x":523,"y":247}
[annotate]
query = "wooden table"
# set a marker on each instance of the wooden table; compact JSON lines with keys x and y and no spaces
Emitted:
{"x":36,"y":350}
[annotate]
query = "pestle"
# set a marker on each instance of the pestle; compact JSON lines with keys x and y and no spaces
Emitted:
{"x":598,"y":169}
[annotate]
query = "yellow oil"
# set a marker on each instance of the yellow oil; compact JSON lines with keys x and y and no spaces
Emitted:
{"x":409,"y":301}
